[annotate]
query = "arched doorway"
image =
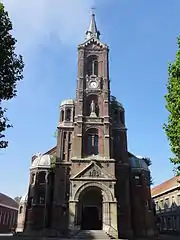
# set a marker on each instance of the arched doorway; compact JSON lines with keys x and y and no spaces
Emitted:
{"x":90,"y":208}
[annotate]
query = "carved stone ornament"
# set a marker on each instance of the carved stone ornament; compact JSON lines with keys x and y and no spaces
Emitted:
{"x":80,"y":94}
{"x":93,"y":91}
{"x":81,"y":54}
{"x":94,"y":47}
{"x":94,"y":173}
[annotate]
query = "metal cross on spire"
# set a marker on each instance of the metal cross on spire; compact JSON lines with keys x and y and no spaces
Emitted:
{"x":92,"y":31}
{"x":93,"y":10}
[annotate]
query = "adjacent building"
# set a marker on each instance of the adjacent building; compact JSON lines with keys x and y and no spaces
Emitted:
{"x":8,"y":213}
{"x":166,"y":197}
{"x":89,"y":180}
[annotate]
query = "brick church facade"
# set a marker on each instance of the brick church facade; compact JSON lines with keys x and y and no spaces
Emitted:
{"x":89,"y":180}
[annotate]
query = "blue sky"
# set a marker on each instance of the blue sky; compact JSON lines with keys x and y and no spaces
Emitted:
{"x":142,"y":39}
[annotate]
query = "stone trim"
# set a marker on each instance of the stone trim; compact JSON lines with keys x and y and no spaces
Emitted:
{"x":92,"y":163}
{"x":112,"y":180}
{"x":107,"y":192}
{"x":6,"y":206}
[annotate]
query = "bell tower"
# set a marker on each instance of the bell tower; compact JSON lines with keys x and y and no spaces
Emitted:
{"x":92,"y":121}
{"x":92,"y":163}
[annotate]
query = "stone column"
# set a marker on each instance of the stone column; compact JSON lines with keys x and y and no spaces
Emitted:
{"x":72,"y":112}
{"x":105,"y":216}
{"x":72,"y":214}
{"x":113,"y":215}
{"x":65,"y":113}
{"x":106,"y":141}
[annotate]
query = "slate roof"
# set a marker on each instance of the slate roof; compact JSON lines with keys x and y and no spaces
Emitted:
{"x":165,"y":186}
{"x":9,"y":202}
{"x":52,"y":151}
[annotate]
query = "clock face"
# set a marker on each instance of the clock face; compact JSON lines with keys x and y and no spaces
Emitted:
{"x":93,"y":84}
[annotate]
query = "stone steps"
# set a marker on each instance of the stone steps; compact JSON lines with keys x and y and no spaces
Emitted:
{"x":91,"y":234}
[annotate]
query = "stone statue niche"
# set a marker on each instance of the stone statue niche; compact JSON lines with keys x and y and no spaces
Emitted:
{"x":94,"y":109}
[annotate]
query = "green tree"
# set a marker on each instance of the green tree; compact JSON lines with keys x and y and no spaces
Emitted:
{"x":172,"y":127}
{"x":11,"y":67}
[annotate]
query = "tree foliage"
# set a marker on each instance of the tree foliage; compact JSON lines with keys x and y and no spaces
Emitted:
{"x":172,"y":127}
{"x":53,"y":162}
{"x":11,"y":67}
{"x":149,"y":178}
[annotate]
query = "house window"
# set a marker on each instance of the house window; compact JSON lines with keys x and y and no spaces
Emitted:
{"x":162,"y":204}
{"x":1,"y":217}
{"x":173,"y":202}
{"x":157,"y":205}
{"x":166,"y":204}
{"x":178,"y":200}
{"x":11,"y":219}
{"x":4,"y":219}
{"x":7,"y":218}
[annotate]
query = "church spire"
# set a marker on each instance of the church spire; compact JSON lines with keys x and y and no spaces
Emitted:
{"x":92,"y":31}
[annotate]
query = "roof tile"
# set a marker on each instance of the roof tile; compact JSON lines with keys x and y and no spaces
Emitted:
{"x":165,"y":186}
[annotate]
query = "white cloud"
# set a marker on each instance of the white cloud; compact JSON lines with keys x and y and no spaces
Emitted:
{"x":36,"y":20}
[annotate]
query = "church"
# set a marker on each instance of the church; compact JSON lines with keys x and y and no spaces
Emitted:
{"x":89,"y":180}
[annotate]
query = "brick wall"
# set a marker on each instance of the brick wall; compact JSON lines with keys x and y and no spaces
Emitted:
{"x":8,"y":218}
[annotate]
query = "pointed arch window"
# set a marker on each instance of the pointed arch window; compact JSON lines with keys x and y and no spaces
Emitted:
{"x":64,"y":145}
{"x":20,"y":209}
{"x":92,"y":65}
{"x":95,"y":65}
{"x":95,"y":144}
